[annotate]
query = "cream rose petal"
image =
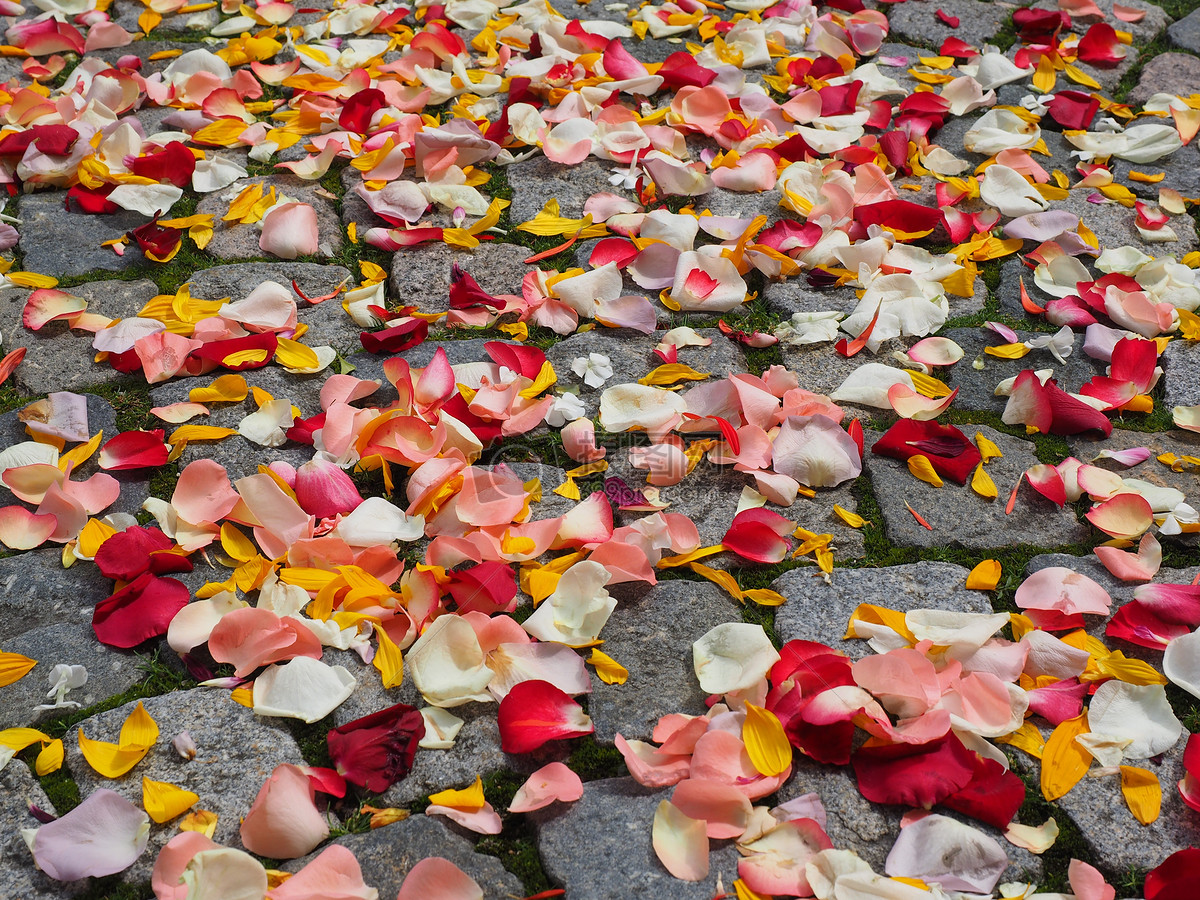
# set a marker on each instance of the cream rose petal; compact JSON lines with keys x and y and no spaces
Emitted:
{"x":733,"y":656}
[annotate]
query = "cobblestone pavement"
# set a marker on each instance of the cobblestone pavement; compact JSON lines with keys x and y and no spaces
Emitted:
{"x":309,"y":200}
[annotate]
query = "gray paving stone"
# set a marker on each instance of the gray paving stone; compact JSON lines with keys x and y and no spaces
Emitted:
{"x":1186,"y":32}
{"x":817,"y":611}
{"x":47,"y":227}
{"x":327,"y":321}
{"x":1113,"y":226}
{"x":632,"y":357}
{"x":869,"y":829}
{"x":917,"y":22}
{"x":652,"y":637}
{"x":236,"y":753}
{"x":962,"y":518}
{"x":536,"y":180}
{"x":19,"y":877}
{"x":421,"y":275}
{"x":976,"y":388}
{"x":1181,"y":369}
{"x":793,"y":295}
{"x":35,"y":591}
{"x":233,"y":240}
{"x":239,"y":455}
{"x":386,"y":855}
{"x":599,"y":847}
{"x":1180,"y":170}
{"x":1152,"y":24}
{"x":1095,"y":805}
{"x":58,"y":358}
{"x":110,"y":672}
{"x":1168,"y":73}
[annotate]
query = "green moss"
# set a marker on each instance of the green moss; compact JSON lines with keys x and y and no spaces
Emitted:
{"x":592,"y":761}
{"x":112,"y":888}
{"x":519,"y":856}
{"x":60,"y":788}
{"x":310,"y":738}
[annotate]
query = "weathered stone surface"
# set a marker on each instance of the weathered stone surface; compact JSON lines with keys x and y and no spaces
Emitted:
{"x":237,"y":454}
{"x":1180,"y":171}
{"x":327,"y":321}
{"x":959,"y":516}
{"x":1095,"y":805}
{"x":817,"y":611}
{"x":236,"y":752}
{"x":976,"y":388}
{"x":1186,"y":32}
{"x":1113,"y":226}
{"x":233,"y":240}
{"x":386,"y":855}
{"x":795,"y":295}
{"x":978,"y":22}
{"x":1168,"y":73}
{"x":632,"y":357}
{"x":1012,"y":273}
{"x":47,"y":227}
{"x":421,"y":275}
{"x":36,"y":591}
{"x":1153,"y":22}
{"x":536,"y":180}
{"x":59,"y":359}
{"x":599,"y":847}
{"x":742,"y":205}
{"x":19,"y":877}
{"x":1181,"y":373}
{"x":652,"y":637}
{"x":110,"y":672}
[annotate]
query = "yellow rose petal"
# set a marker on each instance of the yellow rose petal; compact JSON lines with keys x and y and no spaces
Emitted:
{"x":608,"y":669}
{"x":50,"y":759}
{"x":982,"y":484}
{"x":388,"y":660}
{"x":766,"y":743}
{"x":922,"y":469}
{"x":468,"y":798}
{"x":164,"y":801}
{"x":14,"y":667}
{"x":1064,"y":759}
{"x":985,"y":576}
{"x":1142,"y":793}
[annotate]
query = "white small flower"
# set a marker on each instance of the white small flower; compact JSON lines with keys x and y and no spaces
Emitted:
{"x":1059,"y":344}
{"x":626,"y":178}
{"x":64,"y":678}
{"x":1037,"y":104}
{"x":566,"y":408}
{"x":594,"y":369}
{"x":1108,"y":125}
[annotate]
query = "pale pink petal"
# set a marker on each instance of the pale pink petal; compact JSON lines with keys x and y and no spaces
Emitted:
{"x":203,"y":493}
{"x":630,"y":311}
{"x":96,"y":494}
{"x":549,"y":784}
{"x":482,"y":821}
{"x":1063,"y":590}
{"x":289,"y":230}
{"x":579,"y":441}
{"x":334,"y":875}
{"x":22,"y":530}
{"x":649,"y":766}
{"x":944,"y":850}
{"x":936,"y":351}
{"x":69,"y":514}
{"x":103,"y":835}
{"x":1124,"y":516}
{"x":722,"y":807}
{"x":680,"y":843}
{"x":283,"y":822}
{"x":173,"y":859}
{"x":777,"y":862}
{"x":178,"y":413}
{"x":910,"y":405}
{"x":1140,"y":566}
{"x":1087,"y":883}
{"x":434,"y":878}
